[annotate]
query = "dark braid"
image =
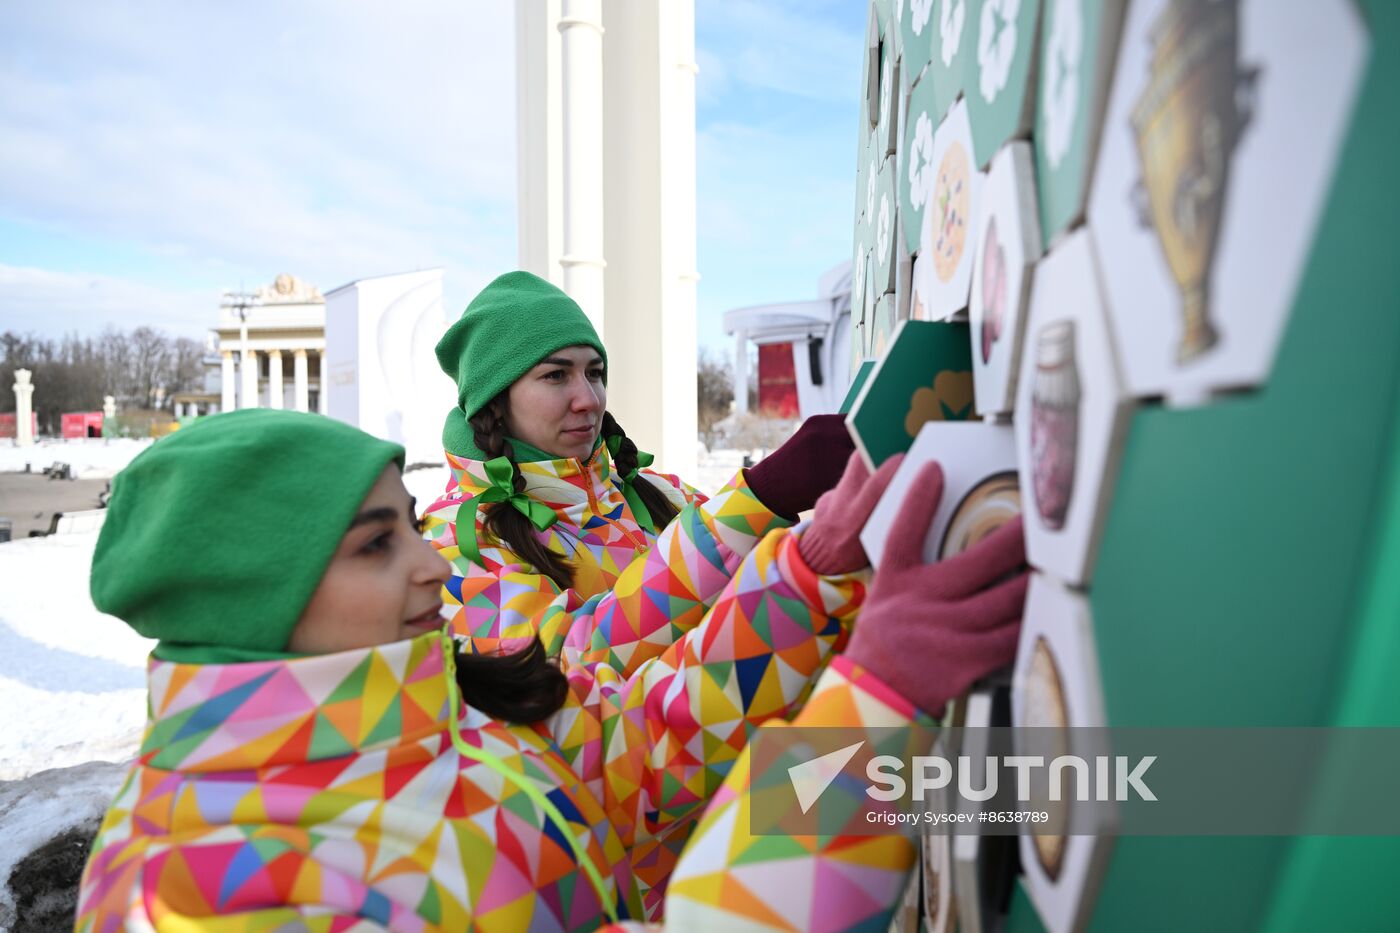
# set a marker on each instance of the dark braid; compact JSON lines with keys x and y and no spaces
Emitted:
{"x":662,"y":509}
{"x":523,"y":687}
{"x":502,"y":520}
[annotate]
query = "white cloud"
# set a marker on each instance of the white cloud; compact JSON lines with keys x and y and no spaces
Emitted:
{"x":39,"y":300}
{"x":783,"y":45}
{"x":331,"y":140}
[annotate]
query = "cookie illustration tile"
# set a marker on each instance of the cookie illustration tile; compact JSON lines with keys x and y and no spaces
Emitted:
{"x":1001,"y":276}
{"x":1000,"y":96}
{"x":1057,"y":702}
{"x":925,"y":375}
{"x":980,"y":488}
{"x":951,"y":21}
{"x":1077,"y":42}
{"x":1220,"y":143}
{"x":949,"y":235}
{"x":1071,"y":413}
{"x":916,"y":165}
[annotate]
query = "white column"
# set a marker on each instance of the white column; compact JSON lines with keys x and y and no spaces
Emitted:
{"x":24,"y":409}
{"x":741,"y":373}
{"x":177,"y":409}
{"x":323,"y":392}
{"x":300,"y":394}
{"x":539,"y":154}
{"x":274,"y":379}
{"x":226,"y":401}
{"x":249,"y":365}
{"x":581,"y":53}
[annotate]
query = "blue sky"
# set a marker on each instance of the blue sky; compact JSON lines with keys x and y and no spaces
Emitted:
{"x":157,"y":153}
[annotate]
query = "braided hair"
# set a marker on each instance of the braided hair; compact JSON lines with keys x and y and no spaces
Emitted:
{"x":528,"y":686}
{"x":513,"y":529}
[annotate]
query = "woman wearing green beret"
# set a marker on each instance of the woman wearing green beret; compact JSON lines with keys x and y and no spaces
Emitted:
{"x":319,"y":755}
{"x":553,"y":524}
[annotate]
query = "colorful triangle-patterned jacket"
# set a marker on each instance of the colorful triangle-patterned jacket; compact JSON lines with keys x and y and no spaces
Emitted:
{"x":324,"y":792}
{"x":630,"y":599}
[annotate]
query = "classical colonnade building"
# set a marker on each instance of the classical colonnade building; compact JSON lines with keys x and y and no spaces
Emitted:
{"x":271,"y":346}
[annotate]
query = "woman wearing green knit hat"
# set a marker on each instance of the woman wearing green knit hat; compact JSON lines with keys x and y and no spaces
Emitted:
{"x":317,"y":752}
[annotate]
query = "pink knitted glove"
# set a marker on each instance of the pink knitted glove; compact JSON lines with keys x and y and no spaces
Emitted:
{"x":930,"y":630}
{"x":831,"y":543}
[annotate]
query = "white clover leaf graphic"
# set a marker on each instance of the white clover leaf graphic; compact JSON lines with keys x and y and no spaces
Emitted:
{"x":882,"y":230}
{"x":921,"y":162}
{"x":858,"y":279}
{"x":919,"y":11}
{"x":996,"y":46}
{"x":950,"y":28}
{"x":1059,"y":89}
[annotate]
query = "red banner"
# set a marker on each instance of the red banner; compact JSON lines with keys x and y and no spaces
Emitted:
{"x":82,"y":424}
{"x":777,"y":381}
{"x":8,"y":424}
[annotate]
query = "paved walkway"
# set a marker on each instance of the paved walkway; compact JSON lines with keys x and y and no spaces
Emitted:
{"x":29,"y":500}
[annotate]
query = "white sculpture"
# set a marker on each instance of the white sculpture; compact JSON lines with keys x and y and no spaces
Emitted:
{"x":24,"y":409}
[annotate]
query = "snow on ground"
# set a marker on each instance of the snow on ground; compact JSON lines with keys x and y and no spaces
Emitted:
{"x":92,"y":458}
{"x":72,"y":680}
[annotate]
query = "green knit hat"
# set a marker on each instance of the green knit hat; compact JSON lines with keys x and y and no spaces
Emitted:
{"x":515,"y":322}
{"x":216,"y":537}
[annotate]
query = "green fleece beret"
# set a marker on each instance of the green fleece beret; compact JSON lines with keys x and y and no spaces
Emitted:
{"x":515,"y":322}
{"x":216,"y":537}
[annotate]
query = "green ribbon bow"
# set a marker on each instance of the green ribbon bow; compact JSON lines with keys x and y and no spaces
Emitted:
{"x":629,"y":492}
{"x":500,"y":476}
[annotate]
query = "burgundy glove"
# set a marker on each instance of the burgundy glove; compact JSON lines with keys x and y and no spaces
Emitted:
{"x":930,"y":630}
{"x":790,"y":479}
{"x":831,"y":544}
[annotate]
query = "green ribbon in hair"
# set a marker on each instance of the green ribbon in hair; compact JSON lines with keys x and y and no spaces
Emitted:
{"x":629,"y":482}
{"x":500,"y":475}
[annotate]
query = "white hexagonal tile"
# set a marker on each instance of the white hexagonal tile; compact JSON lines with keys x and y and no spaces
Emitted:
{"x":1220,"y":141}
{"x":1001,"y":276}
{"x":949,"y":237}
{"x":1057,"y":693}
{"x":1071,"y":413}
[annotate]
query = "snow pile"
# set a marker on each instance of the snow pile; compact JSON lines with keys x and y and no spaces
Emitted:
{"x":72,"y":680}
{"x":48,"y":822}
{"x":90,"y":458}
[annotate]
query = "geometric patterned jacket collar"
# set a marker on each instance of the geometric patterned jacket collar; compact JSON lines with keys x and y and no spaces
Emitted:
{"x":232,"y":717}
{"x":563,"y":485}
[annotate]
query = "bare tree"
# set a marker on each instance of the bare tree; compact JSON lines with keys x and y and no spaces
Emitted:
{"x":714,"y":385}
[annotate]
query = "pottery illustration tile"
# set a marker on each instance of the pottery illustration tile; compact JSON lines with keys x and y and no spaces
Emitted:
{"x":949,"y":234}
{"x":1000,"y":82}
{"x":1071,"y":413}
{"x":1211,"y":181}
{"x":1077,"y":42}
{"x":1057,"y":696}
{"x":1001,"y":276}
{"x":980,"y":488}
{"x":925,"y":375}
